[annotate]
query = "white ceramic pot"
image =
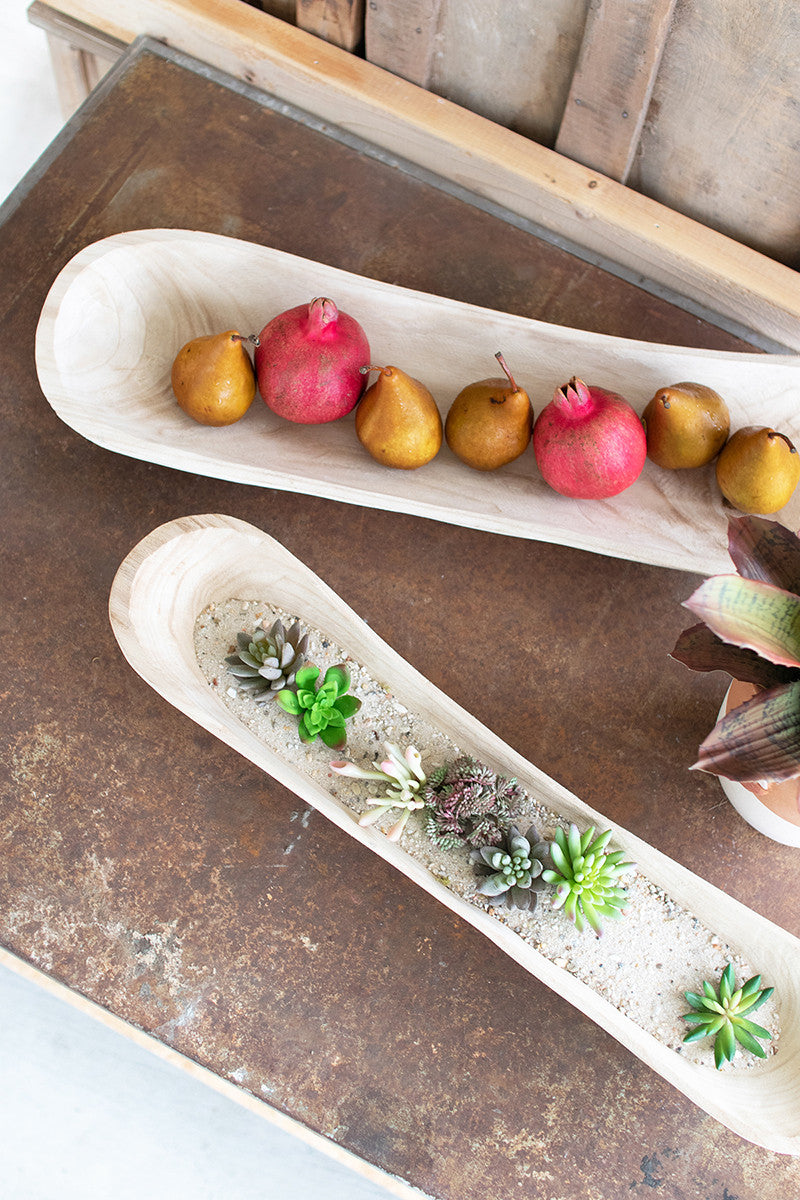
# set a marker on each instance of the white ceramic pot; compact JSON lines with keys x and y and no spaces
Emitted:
{"x":772,"y":809}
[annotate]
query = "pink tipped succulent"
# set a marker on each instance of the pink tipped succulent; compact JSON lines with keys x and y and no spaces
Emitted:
{"x":403,"y":773}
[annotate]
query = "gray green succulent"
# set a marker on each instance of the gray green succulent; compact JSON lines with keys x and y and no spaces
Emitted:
{"x":586,"y":876}
{"x":719,"y":1013}
{"x":511,"y":873}
{"x":265,"y":662}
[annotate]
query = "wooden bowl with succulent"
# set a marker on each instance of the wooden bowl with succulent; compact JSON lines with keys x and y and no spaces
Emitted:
{"x":750,"y":628}
{"x":555,"y":872}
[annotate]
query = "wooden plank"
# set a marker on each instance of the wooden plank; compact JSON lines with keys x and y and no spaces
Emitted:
{"x":285,"y":9}
{"x":75,"y":73}
{"x":338,"y":21}
{"x":76,"y":34}
{"x":402,"y":38}
{"x":511,"y":63}
{"x":494,"y":163}
{"x":739,"y":170}
{"x":613,"y":82}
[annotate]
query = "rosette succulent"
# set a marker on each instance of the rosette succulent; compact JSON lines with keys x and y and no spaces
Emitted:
{"x":719,"y":1013}
{"x":266,"y":662}
{"x":403,"y":773}
{"x":511,"y":873}
{"x":322,"y":710}
{"x":585,"y":876}
{"x":750,"y":628}
{"x":466,"y":803}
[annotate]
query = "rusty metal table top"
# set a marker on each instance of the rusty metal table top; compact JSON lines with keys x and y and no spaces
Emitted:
{"x":150,"y":869}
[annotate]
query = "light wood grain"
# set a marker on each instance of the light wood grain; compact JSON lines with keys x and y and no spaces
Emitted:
{"x":337,"y":21}
{"x":170,"y":577}
{"x":121,"y":309}
{"x":611,"y":88}
{"x":494,"y":163}
{"x":722,"y":138}
{"x":511,"y":63}
{"x":403,"y":38}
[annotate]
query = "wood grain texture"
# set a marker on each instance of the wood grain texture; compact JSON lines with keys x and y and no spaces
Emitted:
{"x":119,"y":312}
{"x":286,"y":10}
{"x":511,"y":63}
{"x":611,"y":88}
{"x":187,"y":564}
{"x":404,"y":38}
{"x":721,"y":142}
{"x":338,"y":21}
{"x":493,"y":162}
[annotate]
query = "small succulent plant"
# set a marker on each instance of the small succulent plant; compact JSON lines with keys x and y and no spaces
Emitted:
{"x":265,"y":662}
{"x":719,"y":1013}
{"x":511,"y":873}
{"x":585,"y":876}
{"x":750,"y":628}
{"x":322,"y":710}
{"x":403,"y":773}
{"x":466,"y":803}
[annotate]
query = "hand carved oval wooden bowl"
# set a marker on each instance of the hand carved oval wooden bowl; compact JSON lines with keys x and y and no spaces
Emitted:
{"x":185,"y":565}
{"x":118,"y":313}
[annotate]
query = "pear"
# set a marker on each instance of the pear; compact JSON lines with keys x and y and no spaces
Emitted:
{"x":686,"y":424}
{"x":397,"y":420}
{"x":758,"y":470}
{"x":213,"y":378}
{"x":490,"y":422}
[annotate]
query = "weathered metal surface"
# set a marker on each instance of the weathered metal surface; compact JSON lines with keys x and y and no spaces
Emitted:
{"x":150,"y":868}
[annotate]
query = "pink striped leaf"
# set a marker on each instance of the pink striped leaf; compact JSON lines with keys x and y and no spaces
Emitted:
{"x":751,"y":614}
{"x":759,"y":740}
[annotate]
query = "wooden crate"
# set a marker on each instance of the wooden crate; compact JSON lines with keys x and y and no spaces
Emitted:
{"x":682,"y":167}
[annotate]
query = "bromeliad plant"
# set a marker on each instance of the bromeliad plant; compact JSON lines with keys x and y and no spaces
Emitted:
{"x":322,"y":710}
{"x":403,"y":773}
{"x":586,"y":877}
{"x":750,"y":628}
{"x":719,"y":1013}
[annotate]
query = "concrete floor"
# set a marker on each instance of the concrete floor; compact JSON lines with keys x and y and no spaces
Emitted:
{"x":84,"y":1113}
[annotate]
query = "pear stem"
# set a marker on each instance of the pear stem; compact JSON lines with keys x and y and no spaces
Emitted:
{"x":253,"y":338}
{"x":774,"y":433}
{"x":366,"y":370}
{"x":502,"y":361}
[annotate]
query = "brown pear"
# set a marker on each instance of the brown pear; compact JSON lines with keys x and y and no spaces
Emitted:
{"x":213,"y":378}
{"x":686,"y":424}
{"x":397,"y":420}
{"x":758,"y":470}
{"x":490,"y":422}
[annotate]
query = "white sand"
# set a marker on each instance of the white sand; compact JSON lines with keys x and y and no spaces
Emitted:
{"x":642,"y":964}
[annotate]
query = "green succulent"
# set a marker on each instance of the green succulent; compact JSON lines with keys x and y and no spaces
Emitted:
{"x":265,"y":662}
{"x":512,"y":872}
{"x":586,"y":877}
{"x":322,"y":710}
{"x":719,"y":1013}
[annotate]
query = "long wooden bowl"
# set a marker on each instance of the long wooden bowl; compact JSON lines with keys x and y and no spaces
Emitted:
{"x":120,"y":310}
{"x":180,"y":568}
